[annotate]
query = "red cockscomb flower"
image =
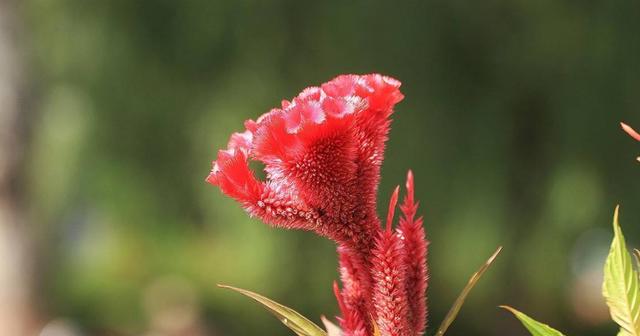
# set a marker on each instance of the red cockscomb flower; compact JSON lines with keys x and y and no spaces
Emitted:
{"x":322,"y":153}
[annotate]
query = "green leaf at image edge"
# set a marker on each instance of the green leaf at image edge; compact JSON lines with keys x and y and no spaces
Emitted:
{"x":535,"y":328}
{"x":289,"y":317}
{"x":620,"y":287}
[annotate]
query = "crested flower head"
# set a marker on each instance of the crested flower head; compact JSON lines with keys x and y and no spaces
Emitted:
{"x":322,"y":153}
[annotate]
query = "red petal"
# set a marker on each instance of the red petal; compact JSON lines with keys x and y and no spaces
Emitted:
{"x":232,"y":174}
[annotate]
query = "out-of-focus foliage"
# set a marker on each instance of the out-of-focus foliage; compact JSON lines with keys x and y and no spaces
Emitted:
{"x":619,"y":288}
{"x":509,"y":123}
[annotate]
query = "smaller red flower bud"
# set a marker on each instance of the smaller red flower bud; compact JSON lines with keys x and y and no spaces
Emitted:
{"x":354,"y":298}
{"x":415,"y":253}
{"x":353,"y":322}
{"x":389,"y":293}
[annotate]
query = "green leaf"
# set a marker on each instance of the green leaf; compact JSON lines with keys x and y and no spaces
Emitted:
{"x":289,"y":317}
{"x":620,"y":287}
{"x":535,"y":328}
{"x":455,"y":309}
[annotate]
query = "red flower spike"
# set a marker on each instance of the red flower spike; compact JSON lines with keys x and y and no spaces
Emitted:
{"x":415,"y":253}
{"x":352,"y":323}
{"x":322,"y":153}
{"x":390,"y":300}
{"x":354,"y":300}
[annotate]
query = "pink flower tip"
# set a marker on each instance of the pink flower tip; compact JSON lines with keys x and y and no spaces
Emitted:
{"x":392,"y":207}
{"x":630,"y":131}
{"x":409,"y":184}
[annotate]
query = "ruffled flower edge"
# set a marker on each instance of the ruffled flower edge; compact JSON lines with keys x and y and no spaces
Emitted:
{"x":279,"y":133}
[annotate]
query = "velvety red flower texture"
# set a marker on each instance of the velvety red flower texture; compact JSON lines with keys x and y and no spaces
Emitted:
{"x":322,"y":153}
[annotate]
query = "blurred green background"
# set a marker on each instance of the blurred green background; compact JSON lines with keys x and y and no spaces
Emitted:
{"x":510,"y":123}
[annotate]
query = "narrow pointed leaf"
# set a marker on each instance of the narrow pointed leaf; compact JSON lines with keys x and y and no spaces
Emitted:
{"x":332,"y":329}
{"x":620,"y":287}
{"x":289,"y":317}
{"x":455,"y":309}
{"x":535,"y":328}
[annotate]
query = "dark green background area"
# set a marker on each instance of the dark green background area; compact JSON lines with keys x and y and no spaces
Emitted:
{"x":510,"y":123}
